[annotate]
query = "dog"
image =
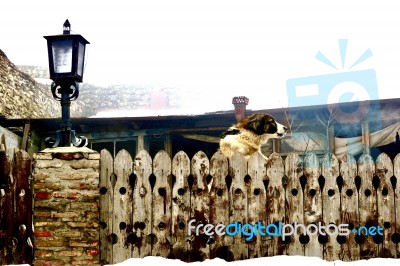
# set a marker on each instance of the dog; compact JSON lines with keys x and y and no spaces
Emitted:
{"x":248,"y":135}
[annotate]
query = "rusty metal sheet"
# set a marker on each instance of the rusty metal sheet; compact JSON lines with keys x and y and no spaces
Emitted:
{"x":238,"y":204}
{"x":180,"y":206}
{"x":294,"y":202}
{"x":200,"y":204}
{"x":123,"y":233}
{"x":219,"y":206}
{"x":312,"y":204}
{"x":386,"y":207}
{"x":349,"y":207}
{"x":106,"y":203}
{"x":275,"y":196}
{"x":367,"y":208}
{"x":142,"y":200}
{"x":161,"y":206}
{"x":257,"y":201}
{"x":330,"y":205}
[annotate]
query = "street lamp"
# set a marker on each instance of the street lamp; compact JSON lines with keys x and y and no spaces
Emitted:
{"x":66,"y":65}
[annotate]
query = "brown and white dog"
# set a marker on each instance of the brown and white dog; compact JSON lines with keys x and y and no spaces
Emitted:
{"x":248,"y":135}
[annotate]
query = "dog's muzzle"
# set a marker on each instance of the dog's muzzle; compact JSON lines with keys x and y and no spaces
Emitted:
{"x":281,"y":130}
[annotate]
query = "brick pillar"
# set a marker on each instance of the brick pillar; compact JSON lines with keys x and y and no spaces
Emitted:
{"x":66,"y":207}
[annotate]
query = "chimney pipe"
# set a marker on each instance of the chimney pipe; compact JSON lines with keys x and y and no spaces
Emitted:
{"x":240,"y":103}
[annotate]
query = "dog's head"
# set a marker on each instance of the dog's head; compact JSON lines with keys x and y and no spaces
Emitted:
{"x":263,"y":124}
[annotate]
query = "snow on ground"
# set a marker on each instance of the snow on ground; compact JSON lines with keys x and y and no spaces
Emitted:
{"x":267,"y":261}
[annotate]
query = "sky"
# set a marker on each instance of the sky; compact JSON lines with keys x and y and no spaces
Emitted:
{"x":213,"y":50}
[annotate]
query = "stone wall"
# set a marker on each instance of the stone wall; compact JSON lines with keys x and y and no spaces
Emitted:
{"x":21,"y":96}
{"x":94,"y":98}
{"x":66,"y":207}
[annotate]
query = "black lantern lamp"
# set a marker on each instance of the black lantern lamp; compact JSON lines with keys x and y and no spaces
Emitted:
{"x":66,"y":65}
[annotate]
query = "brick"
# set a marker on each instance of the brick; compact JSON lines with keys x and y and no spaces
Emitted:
{"x":68,"y":233}
{"x":43,"y":234}
{"x":44,"y":186}
{"x":42,"y":214}
{"x":49,"y":263}
{"x":66,"y":214}
{"x":48,"y":224}
{"x":42,"y":195}
{"x":83,"y":186}
{"x":85,"y":164}
{"x":93,"y":252}
{"x":66,"y":195}
{"x":83,"y":224}
{"x":72,"y":177}
{"x":76,"y":243}
{"x":86,"y":262}
{"x":40,"y":177}
{"x":43,"y":253}
{"x":69,"y":156}
{"x":49,"y":243}
{"x":42,"y":156}
{"x":84,"y":206}
{"x":48,"y":164}
{"x":68,"y":253}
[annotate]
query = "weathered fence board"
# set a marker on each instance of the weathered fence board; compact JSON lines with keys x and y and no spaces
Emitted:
{"x":15,"y":208}
{"x":219,"y":206}
{"x":294,"y":202}
{"x":180,"y":206}
{"x":349,"y":207}
{"x":181,"y":216}
{"x":385,"y":202}
{"x":396,"y":235}
{"x":142,"y":198}
{"x":238,"y":203}
{"x":161,"y":206}
{"x":275,"y":194}
{"x":368,"y":210}
{"x":200,"y":203}
{"x":330,"y":205}
{"x":257,"y":197}
{"x":312,"y":205}
{"x":106,"y":203}
{"x":122,"y":216}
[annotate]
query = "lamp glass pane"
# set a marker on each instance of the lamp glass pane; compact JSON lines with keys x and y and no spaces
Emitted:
{"x":62,"y":56}
{"x":81,"y":58}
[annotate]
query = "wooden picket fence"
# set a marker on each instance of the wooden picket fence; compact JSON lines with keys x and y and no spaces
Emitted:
{"x":146,"y":205}
{"x":15,"y":209}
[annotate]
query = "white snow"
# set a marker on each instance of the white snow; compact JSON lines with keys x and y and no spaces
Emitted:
{"x":270,"y":261}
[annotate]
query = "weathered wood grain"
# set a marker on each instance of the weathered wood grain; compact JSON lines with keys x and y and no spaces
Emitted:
{"x":294,"y":202}
{"x":386,"y":207}
{"x":367,"y":205}
{"x":200,"y":204}
{"x":349,"y":207}
{"x":161,"y":206}
{"x":219,"y":206}
{"x":106,"y":203}
{"x":312,"y":204}
{"x":257,"y":202}
{"x":180,"y":206}
{"x":142,"y":200}
{"x":238,"y":204}
{"x":330,"y":206}
{"x":275,"y":199}
{"x":122,"y":216}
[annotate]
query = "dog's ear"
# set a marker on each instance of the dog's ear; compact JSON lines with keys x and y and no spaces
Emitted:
{"x":256,"y":124}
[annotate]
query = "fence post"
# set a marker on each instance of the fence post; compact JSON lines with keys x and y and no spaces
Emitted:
{"x":66,"y":212}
